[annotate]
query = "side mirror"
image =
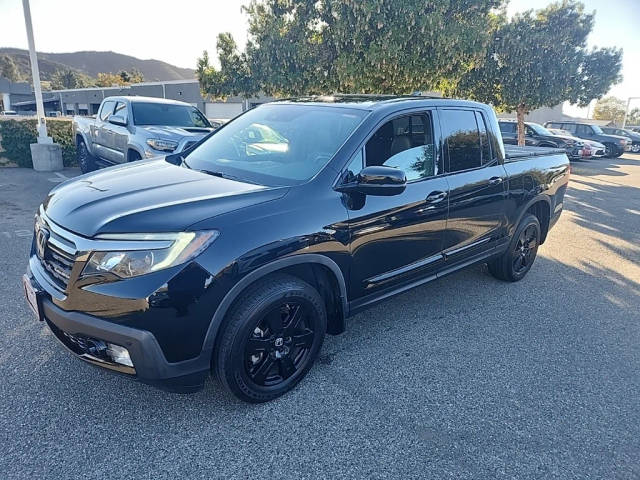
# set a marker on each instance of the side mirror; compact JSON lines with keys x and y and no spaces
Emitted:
{"x":379,"y":181}
{"x":118,"y":120}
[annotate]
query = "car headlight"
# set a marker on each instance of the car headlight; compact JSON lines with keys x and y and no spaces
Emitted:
{"x":162,"y":145}
{"x":134,"y":259}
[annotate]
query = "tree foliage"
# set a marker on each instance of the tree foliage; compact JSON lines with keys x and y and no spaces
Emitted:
{"x":541,"y":58}
{"x":633,"y":118}
{"x":67,"y":78}
{"x":610,"y":108}
{"x":121,"y":78}
{"x":367,"y":46}
{"x":8,"y":69}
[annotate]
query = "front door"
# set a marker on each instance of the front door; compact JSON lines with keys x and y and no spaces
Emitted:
{"x":397,"y":240}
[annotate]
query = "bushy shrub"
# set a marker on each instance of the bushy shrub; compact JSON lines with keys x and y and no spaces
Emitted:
{"x":17,"y":135}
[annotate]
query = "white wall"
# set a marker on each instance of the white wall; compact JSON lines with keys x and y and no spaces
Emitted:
{"x":222,"y":109}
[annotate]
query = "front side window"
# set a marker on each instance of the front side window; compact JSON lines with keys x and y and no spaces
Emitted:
{"x":107,"y":110}
{"x":462,"y":139}
{"x":170,"y":115}
{"x":121,"y":110}
{"x":405,"y":143}
{"x":277,"y":144}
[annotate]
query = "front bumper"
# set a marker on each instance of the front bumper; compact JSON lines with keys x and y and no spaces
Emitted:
{"x":150,"y":365}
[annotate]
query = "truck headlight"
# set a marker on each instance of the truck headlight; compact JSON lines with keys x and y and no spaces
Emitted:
{"x":162,"y":145}
{"x":138,"y":260}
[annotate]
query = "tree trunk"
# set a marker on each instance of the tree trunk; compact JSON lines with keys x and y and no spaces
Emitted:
{"x":520,"y":116}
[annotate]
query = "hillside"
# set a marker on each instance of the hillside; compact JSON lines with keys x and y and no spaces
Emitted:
{"x":92,"y":63}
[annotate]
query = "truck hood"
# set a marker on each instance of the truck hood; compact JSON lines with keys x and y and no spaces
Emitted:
{"x":174,"y":133}
{"x":148,"y":196}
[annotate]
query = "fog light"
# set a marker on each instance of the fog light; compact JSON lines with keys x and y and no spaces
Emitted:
{"x":119,"y":354}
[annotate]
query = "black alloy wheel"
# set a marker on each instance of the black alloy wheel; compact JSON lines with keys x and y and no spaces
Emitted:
{"x":279,"y":346}
{"x":270,"y":338}
{"x":525,"y":249}
{"x":514,"y":264}
{"x":609,"y":150}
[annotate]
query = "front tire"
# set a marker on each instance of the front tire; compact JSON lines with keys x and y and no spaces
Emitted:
{"x":610,"y":151}
{"x":271,"y":338}
{"x":514,"y":264}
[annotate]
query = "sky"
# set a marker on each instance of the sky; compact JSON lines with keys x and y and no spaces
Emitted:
{"x":178,"y":31}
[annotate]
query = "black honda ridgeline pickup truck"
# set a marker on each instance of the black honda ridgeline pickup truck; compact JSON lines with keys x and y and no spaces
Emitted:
{"x":239,"y":254}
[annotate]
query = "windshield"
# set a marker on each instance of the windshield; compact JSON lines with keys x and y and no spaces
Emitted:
{"x":168,"y":114}
{"x":277,"y":144}
{"x":597,"y":130}
{"x":539,"y":129}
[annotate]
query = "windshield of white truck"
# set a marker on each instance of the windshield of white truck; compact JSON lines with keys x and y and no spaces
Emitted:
{"x":168,"y":115}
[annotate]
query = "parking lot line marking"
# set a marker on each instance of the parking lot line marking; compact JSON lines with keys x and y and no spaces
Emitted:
{"x":58,"y":178}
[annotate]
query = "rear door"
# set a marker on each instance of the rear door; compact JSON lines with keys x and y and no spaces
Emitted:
{"x":100,"y":132}
{"x":477,"y":186}
{"x":119,"y":137}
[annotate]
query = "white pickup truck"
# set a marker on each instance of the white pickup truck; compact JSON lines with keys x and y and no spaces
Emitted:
{"x":131,"y":128}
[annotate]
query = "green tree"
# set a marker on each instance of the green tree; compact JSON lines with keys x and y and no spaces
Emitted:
{"x":233,"y":77}
{"x":634,"y":117}
{"x":610,"y":108}
{"x":8,"y":69}
{"x":370,"y":46}
{"x":67,"y":78}
{"x":119,"y":79}
{"x":541,"y":59}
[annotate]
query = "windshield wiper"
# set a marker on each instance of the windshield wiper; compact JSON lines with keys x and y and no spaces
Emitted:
{"x":223,"y":175}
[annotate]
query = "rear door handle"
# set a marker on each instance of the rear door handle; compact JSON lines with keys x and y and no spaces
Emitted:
{"x":435,"y":197}
{"x":495,"y":180}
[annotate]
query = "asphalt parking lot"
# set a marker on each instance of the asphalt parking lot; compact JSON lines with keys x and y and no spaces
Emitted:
{"x":466,"y":377}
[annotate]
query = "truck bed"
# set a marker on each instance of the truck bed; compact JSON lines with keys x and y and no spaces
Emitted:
{"x":514,"y":153}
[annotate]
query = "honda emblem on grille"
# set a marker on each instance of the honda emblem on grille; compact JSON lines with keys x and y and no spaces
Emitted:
{"x":42,"y":237}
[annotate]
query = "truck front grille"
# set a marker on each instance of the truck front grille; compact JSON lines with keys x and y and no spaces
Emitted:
{"x":58,"y":264}
{"x":55,"y":250}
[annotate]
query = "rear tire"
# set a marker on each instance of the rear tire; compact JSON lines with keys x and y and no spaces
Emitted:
{"x":270,"y":339}
{"x":86,"y":161}
{"x":514,"y":264}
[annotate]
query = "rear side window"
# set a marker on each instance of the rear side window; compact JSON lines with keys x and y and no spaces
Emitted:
{"x":462,"y":139}
{"x":507,"y":127}
{"x":569,"y":127}
{"x":484,"y":139}
{"x":405,"y":143}
{"x":584,"y":130}
{"x":107,"y":110}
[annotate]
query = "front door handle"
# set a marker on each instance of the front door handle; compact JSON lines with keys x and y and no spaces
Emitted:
{"x":435,"y":197}
{"x":495,"y":180}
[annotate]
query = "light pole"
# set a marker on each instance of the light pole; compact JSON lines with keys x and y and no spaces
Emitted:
{"x":626,"y":112}
{"x":45,"y":155}
{"x":35,"y":73}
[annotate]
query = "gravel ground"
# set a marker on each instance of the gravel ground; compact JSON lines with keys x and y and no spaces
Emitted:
{"x":539,"y":379}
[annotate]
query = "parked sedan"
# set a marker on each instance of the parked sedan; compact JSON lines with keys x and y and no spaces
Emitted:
{"x":538,"y":136}
{"x":623,"y":132}
{"x":615,"y":145}
{"x":590,"y":149}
